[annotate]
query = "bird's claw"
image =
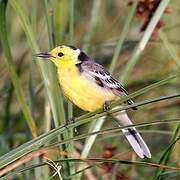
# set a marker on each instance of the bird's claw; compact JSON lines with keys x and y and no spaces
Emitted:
{"x":69,"y":121}
{"x":107,"y":106}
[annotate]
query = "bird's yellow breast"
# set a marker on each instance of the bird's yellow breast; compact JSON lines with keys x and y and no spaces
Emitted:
{"x":83,"y":92}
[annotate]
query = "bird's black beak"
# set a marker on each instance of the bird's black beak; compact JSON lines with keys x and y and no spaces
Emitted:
{"x":44,"y":55}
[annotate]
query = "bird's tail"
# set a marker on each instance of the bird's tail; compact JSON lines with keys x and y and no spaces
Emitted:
{"x":132,"y":135}
{"x":137,"y":142}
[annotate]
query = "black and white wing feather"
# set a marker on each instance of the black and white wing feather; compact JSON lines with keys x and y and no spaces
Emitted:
{"x":103,"y":78}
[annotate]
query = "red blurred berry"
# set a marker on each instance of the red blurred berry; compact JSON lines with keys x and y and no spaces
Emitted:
{"x":145,"y":11}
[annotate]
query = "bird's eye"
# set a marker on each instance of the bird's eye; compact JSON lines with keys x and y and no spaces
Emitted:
{"x":60,"y":54}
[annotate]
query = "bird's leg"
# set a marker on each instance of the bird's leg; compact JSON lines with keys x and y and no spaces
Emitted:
{"x":69,"y":121}
{"x":107,"y":106}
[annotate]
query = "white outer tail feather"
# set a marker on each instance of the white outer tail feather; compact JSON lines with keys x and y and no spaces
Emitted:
{"x":137,"y":143}
{"x":132,"y":135}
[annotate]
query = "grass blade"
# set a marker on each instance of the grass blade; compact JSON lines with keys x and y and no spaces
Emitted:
{"x":12,"y":71}
{"x":44,"y":138}
{"x":169,"y":48}
{"x":95,"y":126}
{"x":122,"y":37}
{"x":56,"y":103}
{"x":92,"y":24}
{"x":165,"y":156}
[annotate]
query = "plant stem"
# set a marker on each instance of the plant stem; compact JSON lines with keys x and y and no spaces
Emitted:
{"x":169,"y":48}
{"x":44,"y":138}
{"x":11,"y":67}
{"x":122,"y":37}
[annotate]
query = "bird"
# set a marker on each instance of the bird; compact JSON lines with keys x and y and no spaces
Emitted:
{"x":90,"y":86}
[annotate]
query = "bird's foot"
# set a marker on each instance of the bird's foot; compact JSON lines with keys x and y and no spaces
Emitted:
{"x":107,"y":106}
{"x":69,"y":121}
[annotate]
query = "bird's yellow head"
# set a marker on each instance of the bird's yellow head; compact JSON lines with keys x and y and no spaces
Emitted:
{"x":64,"y":56}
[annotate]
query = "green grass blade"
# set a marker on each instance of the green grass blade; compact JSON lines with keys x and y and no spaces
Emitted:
{"x":147,"y":88}
{"x":49,"y":24}
{"x":169,"y":48}
{"x":113,"y":130}
{"x":55,"y":90}
{"x":71,"y":21}
{"x":12,"y":71}
{"x":56,"y":103}
{"x":165,"y":156}
{"x":98,"y":161}
{"x":71,"y":149}
{"x":61,"y":18}
{"x":122,"y":36}
{"x":95,"y":126}
{"x":44,"y":138}
{"x":105,"y":131}
{"x":92,"y":24}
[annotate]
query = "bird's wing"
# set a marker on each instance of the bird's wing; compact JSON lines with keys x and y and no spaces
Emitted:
{"x":103,"y":78}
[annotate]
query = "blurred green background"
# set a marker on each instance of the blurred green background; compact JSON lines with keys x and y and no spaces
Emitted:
{"x":94,"y":26}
